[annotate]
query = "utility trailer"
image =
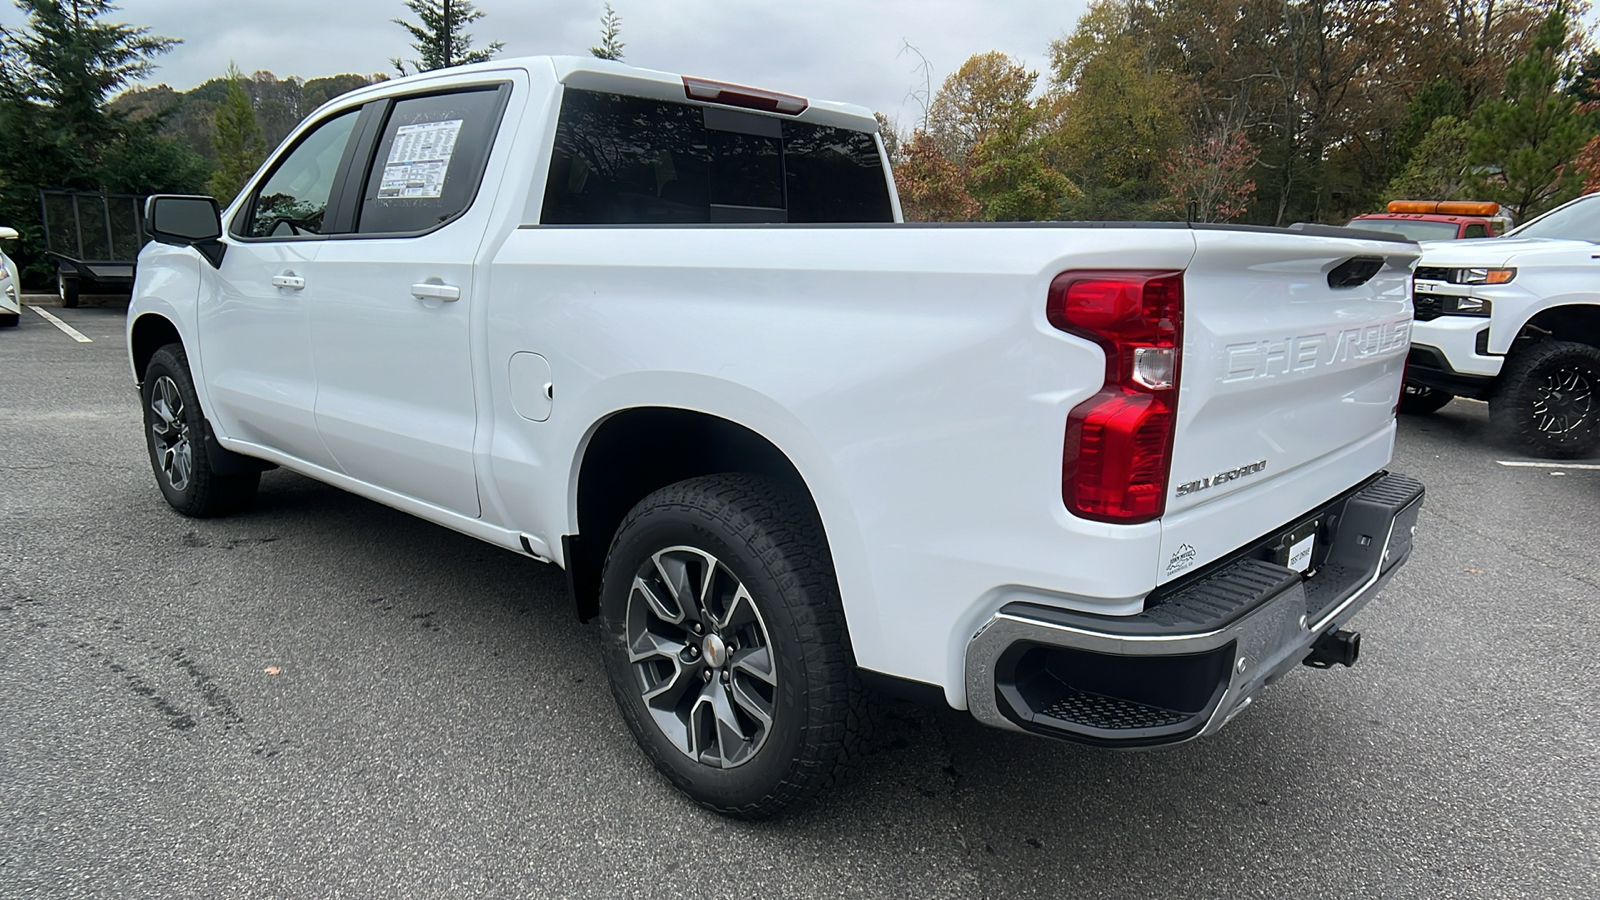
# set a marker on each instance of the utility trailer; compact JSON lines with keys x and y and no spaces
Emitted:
{"x":94,"y":238}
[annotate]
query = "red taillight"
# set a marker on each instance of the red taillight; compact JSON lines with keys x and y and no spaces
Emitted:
{"x":1119,"y":442}
{"x":747,"y":97}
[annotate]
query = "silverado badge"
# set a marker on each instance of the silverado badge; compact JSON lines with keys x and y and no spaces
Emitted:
{"x":1211,"y":481}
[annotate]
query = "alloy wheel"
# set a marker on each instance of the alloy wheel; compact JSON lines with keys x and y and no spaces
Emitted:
{"x":169,"y":429}
{"x":1564,"y":402}
{"x":702,"y":657}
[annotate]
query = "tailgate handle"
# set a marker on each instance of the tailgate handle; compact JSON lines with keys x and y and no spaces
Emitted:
{"x":1355,"y":271}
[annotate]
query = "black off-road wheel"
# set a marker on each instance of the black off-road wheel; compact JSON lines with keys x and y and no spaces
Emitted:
{"x":176,"y":434}
{"x":726,"y":646}
{"x":1422,"y":401}
{"x":1546,"y":403}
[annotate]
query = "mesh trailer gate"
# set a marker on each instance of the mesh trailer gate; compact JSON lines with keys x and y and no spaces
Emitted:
{"x":95,"y":238}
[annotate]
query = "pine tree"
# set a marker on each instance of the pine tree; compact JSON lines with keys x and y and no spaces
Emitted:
{"x":440,"y":36}
{"x":71,"y":62}
{"x":1522,"y":143}
{"x":1435,"y":167}
{"x":610,"y":27}
{"x":57,"y":130}
{"x":237,"y":140}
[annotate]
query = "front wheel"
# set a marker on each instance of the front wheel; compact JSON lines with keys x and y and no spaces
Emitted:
{"x":1421,"y":401}
{"x":726,"y":646}
{"x":175,"y":432}
{"x":1546,"y":403}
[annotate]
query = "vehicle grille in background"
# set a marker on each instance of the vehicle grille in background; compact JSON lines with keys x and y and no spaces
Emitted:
{"x":1433,"y":273}
{"x":1428,"y":306}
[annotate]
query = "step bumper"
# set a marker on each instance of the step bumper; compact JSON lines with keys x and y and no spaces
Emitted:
{"x":1203,"y":646}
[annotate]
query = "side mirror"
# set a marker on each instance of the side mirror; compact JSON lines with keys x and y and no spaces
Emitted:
{"x":7,"y":234}
{"x":186,"y":221}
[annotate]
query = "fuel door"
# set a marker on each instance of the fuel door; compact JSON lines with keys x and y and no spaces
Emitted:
{"x":532,"y":392}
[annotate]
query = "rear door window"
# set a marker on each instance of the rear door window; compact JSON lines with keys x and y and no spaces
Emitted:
{"x":634,"y":161}
{"x":1475,"y":231}
{"x":429,"y":161}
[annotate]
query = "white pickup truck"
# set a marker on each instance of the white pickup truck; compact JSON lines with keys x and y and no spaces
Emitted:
{"x":1515,"y":320}
{"x":1089,"y":481}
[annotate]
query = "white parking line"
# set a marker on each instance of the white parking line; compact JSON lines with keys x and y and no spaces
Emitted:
{"x":1546,"y":465}
{"x":73,"y":333}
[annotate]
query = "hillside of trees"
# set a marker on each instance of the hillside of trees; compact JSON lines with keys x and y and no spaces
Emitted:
{"x":278,"y":103}
{"x":1262,"y":111}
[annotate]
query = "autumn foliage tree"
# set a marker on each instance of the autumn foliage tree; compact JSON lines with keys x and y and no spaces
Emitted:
{"x":932,"y":187}
{"x":985,"y":151}
{"x":988,"y":93}
{"x":1209,"y":180}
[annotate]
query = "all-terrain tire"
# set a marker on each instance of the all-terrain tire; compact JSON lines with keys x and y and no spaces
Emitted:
{"x":1422,"y":401}
{"x":1548,"y":401}
{"x":176,"y":433}
{"x":761,"y":537}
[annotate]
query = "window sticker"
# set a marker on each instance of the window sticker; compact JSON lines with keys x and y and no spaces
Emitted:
{"x":418,"y":160}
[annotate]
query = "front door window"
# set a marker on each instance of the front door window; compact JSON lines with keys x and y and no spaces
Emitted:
{"x":294,"y":198}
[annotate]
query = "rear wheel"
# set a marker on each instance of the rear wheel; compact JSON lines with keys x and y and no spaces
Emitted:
{"x":726,"y":645}
{"x":1546,"y":404}
{"x":67,"y":289}
{"x":1420,"y":401}
{"x":176,"y":434}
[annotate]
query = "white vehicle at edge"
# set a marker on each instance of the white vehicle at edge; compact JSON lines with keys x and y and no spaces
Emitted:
{"x":1515,"y":320}
{"x":1095,"y":483}
{"x":10,"y":283}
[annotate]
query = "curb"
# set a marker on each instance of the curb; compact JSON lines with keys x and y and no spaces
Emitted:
{"x":54,"y":301}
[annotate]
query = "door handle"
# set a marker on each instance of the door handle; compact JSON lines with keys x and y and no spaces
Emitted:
{"x":428,"y":291}
{"x":291,"y":282}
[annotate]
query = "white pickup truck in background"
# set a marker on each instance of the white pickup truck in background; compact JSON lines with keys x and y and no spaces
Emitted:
{"x":1095,"y":482}
{"x":1515,"y":320}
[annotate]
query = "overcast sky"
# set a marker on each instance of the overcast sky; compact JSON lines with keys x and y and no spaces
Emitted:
{"x":846,"y":50}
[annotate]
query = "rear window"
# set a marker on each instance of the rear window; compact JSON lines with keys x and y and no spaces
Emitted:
{"x":1415,"y":229}
{"x":632,"y":161}
{"x":430,"y":160}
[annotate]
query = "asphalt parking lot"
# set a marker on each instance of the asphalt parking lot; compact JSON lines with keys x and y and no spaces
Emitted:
{"x":323,"y":697}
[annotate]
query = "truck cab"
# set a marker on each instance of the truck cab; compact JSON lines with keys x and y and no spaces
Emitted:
{"x":1437,"y":220}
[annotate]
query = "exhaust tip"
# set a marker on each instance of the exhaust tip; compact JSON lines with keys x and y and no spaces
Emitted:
{"x":1341,"y":647}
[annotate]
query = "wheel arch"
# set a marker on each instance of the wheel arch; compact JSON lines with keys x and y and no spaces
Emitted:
{"x":1576,"y":322}
{"x":149,"y":332}
{"x":625,"y":459}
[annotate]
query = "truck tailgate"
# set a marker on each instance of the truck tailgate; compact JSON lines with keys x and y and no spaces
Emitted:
{"x":1288,"y":385}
